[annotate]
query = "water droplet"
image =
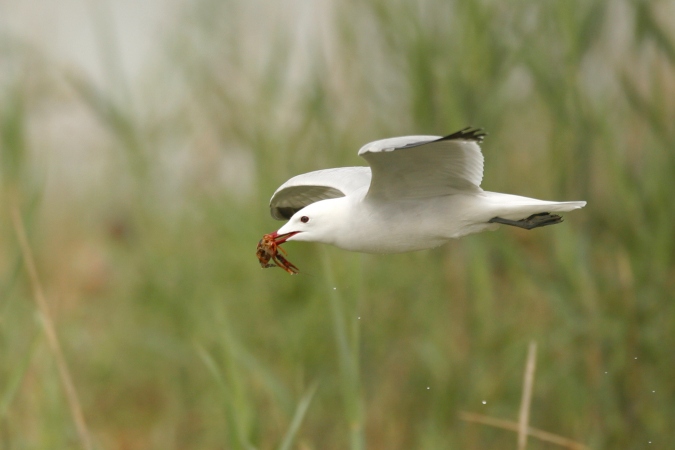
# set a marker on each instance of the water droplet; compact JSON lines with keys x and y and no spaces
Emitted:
{"x":484,"y":402}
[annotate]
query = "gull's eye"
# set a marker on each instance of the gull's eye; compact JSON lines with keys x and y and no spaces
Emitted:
{"x":304,"y":219}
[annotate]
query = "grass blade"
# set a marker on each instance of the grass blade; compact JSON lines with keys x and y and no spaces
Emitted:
{"x":348,"y":361}
{"x":50,"y":332}
{"x":15,"y":379}
{"x":237,"y":434}
{"x":299,"y":415}
{"x":524,"y":415}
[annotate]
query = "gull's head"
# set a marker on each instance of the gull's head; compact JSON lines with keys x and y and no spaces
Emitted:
{"x":318,"y":222}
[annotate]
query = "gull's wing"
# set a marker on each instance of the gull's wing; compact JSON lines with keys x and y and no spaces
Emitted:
{"x":311,"y":187}
{"x":425,"y":166}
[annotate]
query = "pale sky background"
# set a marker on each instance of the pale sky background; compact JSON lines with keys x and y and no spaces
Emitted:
{"x":75,"y":32}
{"x":90,"y":37}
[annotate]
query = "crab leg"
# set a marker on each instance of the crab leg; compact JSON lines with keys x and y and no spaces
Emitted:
{"x":278,"y":247}
{"x":285,"y":264}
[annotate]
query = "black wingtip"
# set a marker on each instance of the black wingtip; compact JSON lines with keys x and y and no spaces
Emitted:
{"x":467,"y":134}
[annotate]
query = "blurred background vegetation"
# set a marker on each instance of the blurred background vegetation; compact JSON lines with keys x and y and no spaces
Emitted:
{"x":142,"y":143}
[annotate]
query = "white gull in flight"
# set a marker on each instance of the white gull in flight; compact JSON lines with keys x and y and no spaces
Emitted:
{"x":419,"y":192}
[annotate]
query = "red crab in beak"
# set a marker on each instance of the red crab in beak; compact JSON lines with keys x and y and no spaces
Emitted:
{"x":268,"y":249}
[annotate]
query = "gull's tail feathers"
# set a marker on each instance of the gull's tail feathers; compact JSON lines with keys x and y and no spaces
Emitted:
{"x":514,"y":207}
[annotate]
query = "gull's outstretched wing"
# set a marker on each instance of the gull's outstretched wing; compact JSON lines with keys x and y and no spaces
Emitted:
{"x":311,"y":187}
{"x":425,"y":166}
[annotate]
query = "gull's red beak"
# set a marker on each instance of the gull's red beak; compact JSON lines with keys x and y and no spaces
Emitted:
{"x":281,"y":238}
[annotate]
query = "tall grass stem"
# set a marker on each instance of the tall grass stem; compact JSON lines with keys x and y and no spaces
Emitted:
{"x":528,"y":382}
{"x":542,"y":435}
{"x":50,"y":331}
{"x":348,"y":362}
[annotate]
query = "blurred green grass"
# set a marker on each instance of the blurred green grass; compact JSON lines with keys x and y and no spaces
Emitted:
{"x":177,"y":339}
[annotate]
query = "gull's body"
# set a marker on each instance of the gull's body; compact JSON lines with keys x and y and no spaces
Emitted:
{"x":419,"y":192}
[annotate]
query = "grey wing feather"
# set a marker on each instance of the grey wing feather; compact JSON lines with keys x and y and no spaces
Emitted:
{"x":425,"y":166}
{"x":312,"y":187}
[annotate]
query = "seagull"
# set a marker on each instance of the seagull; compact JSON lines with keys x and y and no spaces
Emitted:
{"x":418,"y":193}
